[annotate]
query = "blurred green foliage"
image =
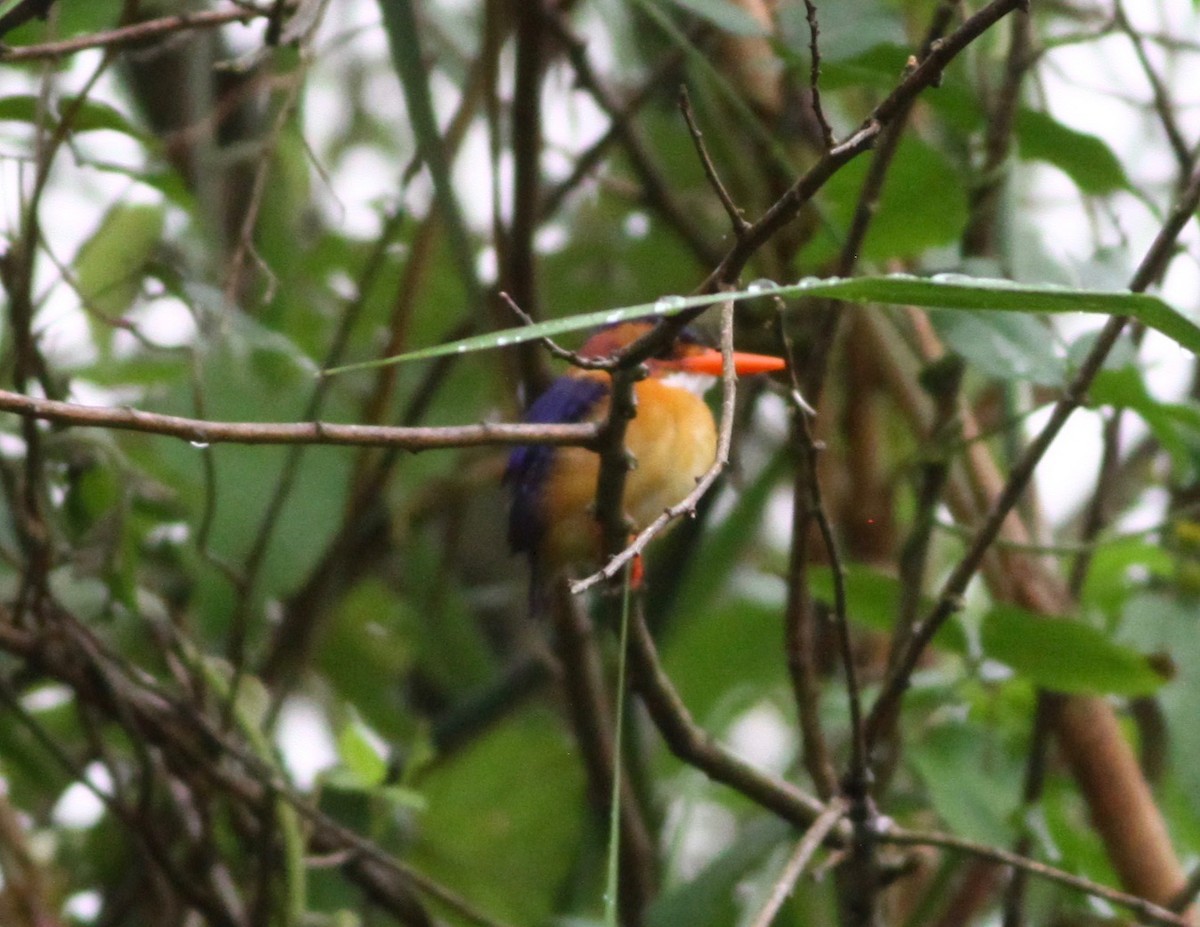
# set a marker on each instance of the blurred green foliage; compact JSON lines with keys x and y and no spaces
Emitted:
{"x":376,"y":588}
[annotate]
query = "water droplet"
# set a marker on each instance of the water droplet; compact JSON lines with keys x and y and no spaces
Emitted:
{"x":668,"y":303}
{"x":461,"y":349}
{"x":502,"y":340}
{"x":762,"y":285}
{"x":199,"y":444}
{"x":612,"y":317}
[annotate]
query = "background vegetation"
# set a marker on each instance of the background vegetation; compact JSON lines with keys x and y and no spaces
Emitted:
{"x":895,"y":670}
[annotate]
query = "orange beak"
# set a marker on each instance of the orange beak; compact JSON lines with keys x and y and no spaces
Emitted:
{"x":709,"y":362}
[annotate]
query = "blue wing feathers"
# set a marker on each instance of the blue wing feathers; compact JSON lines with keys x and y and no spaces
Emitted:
{"x":568,"y":400}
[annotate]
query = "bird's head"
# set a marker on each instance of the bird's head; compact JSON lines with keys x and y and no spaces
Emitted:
{"x":688,"y":362}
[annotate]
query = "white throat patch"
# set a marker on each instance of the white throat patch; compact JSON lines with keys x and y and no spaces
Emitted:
{"x":698,"y":383}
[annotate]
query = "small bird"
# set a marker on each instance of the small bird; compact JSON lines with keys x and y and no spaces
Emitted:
{"x":673,"y":441}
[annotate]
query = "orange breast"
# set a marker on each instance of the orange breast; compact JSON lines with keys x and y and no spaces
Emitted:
{"x":673,"y":440}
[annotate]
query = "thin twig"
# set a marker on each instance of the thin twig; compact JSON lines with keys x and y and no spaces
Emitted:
{"x":925,"y":75}
{"x":860,"y":884}
{"x":981,"y":234}
{"x":800,"y":633}
{"x":656,"y":189}
{"x":1145,"y":910}
{"x":798,"y":861}
{"x":814,"y":71}
{"x":942,"y":380}
{"x":555,"y":349}
{"x":857,"y":780}
{"x":244,"y":247}
{"x":1163,"y":105}
{"x":136,"y":34}
{"x":736,"y":218}
{"x":1035,"y":780}
{"x":827,"y":314}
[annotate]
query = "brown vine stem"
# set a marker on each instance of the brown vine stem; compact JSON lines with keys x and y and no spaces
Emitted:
{"x":202,"y":432}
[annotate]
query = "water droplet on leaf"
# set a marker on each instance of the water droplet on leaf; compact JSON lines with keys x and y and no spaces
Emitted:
{"x":668,"y":303}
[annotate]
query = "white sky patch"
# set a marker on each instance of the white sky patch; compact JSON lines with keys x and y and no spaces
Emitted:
{"x":764,"y":737}
{"x":636,"y":225}
{"x":304,"y":739}
{"x":363,"y":178}
{"x":46,"y":698}
{"x":83,"y":906}
{"x":79,"y":806}
{"x":166,"y":321}
{"x":699,"y":832}
{"x":1067,"y":476}
{"x":551,"y":238}
{"x":487,"y":265}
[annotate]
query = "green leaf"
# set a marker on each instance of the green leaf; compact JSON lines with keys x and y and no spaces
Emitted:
{"x":873,"y":599}
{"x":724,"y":15}
{"x":360,"y":757}
{"x":1006,"y":346}
{"x":923,"y":204}
{"x":364,"y":642}
{"x":90,"y":116}
{"x":1176,"y":425}
{"x":110,"y":265}
{"x":1164,"y":623}
{"x":69,"y":19}
{"x":978,"y":805}
{"x":943,"y":291}
{"x":710,"y":898}
{"x":1120,"y":568}
{"x":725,"y":657}
{"x":1084,"y":158}
{"x":505,"y":817}
{"x":1065,"y":655}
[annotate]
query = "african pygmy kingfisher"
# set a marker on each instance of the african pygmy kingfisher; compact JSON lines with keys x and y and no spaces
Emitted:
{"x":672,"y":439}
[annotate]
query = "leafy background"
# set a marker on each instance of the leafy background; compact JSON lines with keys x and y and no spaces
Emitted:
{"x":211,"y":218}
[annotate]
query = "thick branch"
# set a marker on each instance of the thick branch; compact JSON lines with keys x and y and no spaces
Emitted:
{"x":202,"y":432}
